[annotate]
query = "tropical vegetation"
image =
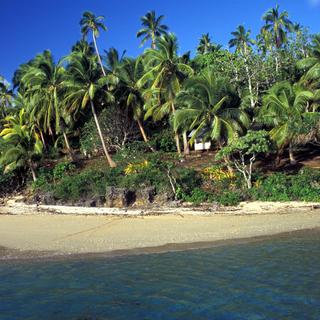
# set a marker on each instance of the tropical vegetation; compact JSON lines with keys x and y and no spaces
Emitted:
{"x":93,"y":119}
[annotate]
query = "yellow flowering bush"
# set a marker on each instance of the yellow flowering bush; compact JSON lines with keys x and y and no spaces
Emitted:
{"x":133,"y":168}
{"x":217,"y":174}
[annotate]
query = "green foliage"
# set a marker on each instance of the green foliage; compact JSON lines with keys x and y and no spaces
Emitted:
{"x":304,"y":186}
{"x":164,"y":141}
{"x":132,"y":151}
{"x":187,"y":180}
{"x":225,"y":198}
{"x":196,"y":196}
{"x":284,"y":110}
{"x":116,"y":127}
{"x":253,"y":143}
{"x":7,"y":180}
{"x":216,"y":116}
{"x":228,"y":198}
{"x":61,"y":169}
{"x":44,"y":180}
{"x":86,"y":184}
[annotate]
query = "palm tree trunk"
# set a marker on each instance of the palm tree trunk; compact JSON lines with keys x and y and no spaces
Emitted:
{"x":278,"y":158}
{"x":186,"y":149}
{"x":33,"y":173}
{"x":66,"y":140}
{"x":112,"y":164}
{"x":144,"y":136}
{"x":252,"y":103}
{"x":43,"y":140}
{"x":143,"y":133}
{"x":293,"y":161}
{"x":176,"y":135}
{"x":153,"y":41}
{"x":277,"y":62}
{"x":98,"y":54}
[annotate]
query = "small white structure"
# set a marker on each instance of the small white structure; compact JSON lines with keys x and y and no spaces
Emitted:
{"x":200,"y":143}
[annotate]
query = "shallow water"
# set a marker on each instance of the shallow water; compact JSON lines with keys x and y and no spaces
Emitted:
{"x":277,"y":278}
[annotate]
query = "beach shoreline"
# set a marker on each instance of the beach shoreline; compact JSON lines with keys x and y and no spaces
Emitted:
{"x":14,"y":255}
{"x":54,"y":235}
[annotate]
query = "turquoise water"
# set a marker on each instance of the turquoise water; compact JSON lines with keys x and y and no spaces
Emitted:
{"x":272,"y":279}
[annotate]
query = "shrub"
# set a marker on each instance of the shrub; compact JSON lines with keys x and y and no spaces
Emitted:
{"x":217,"y":173}
{"x":85,"y":184}
{"x":61,"y":169}
{"x":132,"y":151}
{"x":151,"y":175}
{"x":164,"y":141}
{"x":196,"y":196}
{"x":304,"y":186}
{"x":228,"y":198}
{"x":44,"y":179}
{"x":8,"y":182}
{"x":116,"y":126}
{"x":187,"y":180}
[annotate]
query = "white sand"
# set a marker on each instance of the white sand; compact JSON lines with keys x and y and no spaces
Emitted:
{"x":67,"y":233}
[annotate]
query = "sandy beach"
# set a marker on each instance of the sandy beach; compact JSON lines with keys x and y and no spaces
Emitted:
{"x":65,"y":234}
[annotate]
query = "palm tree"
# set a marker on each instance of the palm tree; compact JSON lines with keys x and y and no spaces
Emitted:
{"x":6,"y":96}
{"x":285,"y":110}
{"x":43,"y":81}
{"x":242,"y":41}
{"x":210,"y":107}
{"x":90,"y":22}
{"x":152,"y":28}
{"x":205,"y":45}
{"x":113,"y":59}
{"x":22,"y":143}
{"x":278,"y":24}
{"x":129,"y":73}
{"x":311,"y":64}
{"x":85,"y":86}
{"x":264,"y":41}
{"x":165,"y":75}
{"x":84,"y":47}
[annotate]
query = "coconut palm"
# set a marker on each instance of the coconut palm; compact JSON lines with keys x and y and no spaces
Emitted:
{"x":210,"y":107}
{"x":264,"y":41}
{"x":93,"y":24}
{"x":84,"y":47}
{"x":22,"y":143}
{"x":85,"y":87}
{"x":242,"y":42}
{"x":6,"y":96}
{"x":311,"y":64}
{"x":278,"y":24}
{"x":43,"y":82}
{"x":113,"y":59}
{"x":152,"y":28}
{"x":129,"y":73}
{"x":285,"y":110}
{"x":165,"y":75}
{"x":205,"y":46}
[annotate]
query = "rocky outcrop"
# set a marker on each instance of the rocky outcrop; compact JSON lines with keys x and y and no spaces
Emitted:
{"x":119,"y":197}
{"x":144,"y":197}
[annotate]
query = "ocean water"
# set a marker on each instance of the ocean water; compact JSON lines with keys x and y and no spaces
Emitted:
{"x":277,"y":278}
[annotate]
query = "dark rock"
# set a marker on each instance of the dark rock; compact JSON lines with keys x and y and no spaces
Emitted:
{"x":96,"y":201}
{"x":48,"y":199}
{"x":119,"y":197}
{"x":145,"y":196}
{"x":163,"y":198}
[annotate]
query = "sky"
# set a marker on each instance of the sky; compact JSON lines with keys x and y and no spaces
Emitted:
{"x":30,"y":26}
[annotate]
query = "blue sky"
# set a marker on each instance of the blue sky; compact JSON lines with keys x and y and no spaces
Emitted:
{"x":30,"y":26}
